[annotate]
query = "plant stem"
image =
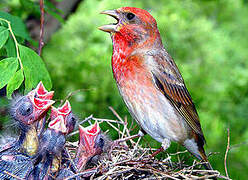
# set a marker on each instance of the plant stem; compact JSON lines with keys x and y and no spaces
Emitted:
{"x":41,"y":43}
{"x":16,"y":43}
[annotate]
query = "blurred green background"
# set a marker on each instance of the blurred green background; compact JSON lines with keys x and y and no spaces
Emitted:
{"x":208,"y":40}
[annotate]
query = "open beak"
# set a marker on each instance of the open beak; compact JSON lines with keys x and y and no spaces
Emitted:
{"x":41,"y":92}
{"x":41,"y":105}
{"x":88,"y":135}
{"x":66,"y":112}
{"x":86,"y":147}
{"x":58,"y":124}
{"x":110,"y":28}
{"x":65,"y":109}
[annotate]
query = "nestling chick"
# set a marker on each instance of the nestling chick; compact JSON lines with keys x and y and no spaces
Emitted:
{"x":92,"y":143}
{"x":26,"y":110}
{"x":53,"y":141}
{"x":16,"y":157}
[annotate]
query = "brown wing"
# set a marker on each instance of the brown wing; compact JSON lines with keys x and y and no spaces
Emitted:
{"x":170,"y":82}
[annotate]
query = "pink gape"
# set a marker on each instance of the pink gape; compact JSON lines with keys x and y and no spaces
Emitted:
{"x":66,"y":112}
{"x":41,"y":92}
{"x":88,"y":145}
{"x":41,"y":101}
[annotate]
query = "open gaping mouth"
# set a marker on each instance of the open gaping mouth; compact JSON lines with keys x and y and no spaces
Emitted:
{"x":113,"y":26}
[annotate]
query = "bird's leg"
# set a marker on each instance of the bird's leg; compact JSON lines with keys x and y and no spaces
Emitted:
{"x":165,"y":145}
{"x":157,"y":151}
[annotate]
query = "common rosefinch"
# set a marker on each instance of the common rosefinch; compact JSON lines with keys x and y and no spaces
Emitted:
{"x":150,"y":82}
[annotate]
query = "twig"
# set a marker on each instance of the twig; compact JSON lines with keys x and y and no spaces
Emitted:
{"x":124,"y":123}
{"x":72,"y":94}
{"x":84,"y":173}
{"x":107,"y":120}
{"x":227,"y":149}
{"x":41,"y":43}
{"x":115,"y":113}
{"x":179,"y":152}
{"x":238,"y":145}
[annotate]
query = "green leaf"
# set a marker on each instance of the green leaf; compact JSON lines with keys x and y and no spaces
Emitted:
{"x":4,"y":34}
{"x":55,"y":15}
{"x":17,"y":25}
{"x":10,"y":48}
{"x":15,"y":82}
{"x":34,"y":69}
{"x":8,"y":68}
{"x":30,"y":7}
{"x":52,"y":7}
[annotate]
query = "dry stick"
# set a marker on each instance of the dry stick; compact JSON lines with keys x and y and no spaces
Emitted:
{"x":41,"y":43}
{"x":238,"y":145}
{"x":124,"y":123}
{"x":107,"y":120}
{"x":115,"y":113}
{"x":128,"y":131}
{"x":179,"y":152}
{"x":227,"y":149}
{"x":73,"y":93}
{"x":84,"y":173}
{"x":69,"y":96}
{"x":153,"y":170}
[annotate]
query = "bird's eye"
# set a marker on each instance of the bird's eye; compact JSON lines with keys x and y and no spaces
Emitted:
{"x":26,"y":109}
{"x":130,"y":16}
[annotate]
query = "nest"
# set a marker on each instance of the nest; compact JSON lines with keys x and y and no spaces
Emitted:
{"x":133,"y":161}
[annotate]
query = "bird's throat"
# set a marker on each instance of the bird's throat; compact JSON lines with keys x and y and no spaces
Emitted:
{"x":31,"y":142}
{"x":123,"y":65}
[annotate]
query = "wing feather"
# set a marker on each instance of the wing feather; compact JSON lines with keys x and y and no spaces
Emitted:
{"x":170,"y":82}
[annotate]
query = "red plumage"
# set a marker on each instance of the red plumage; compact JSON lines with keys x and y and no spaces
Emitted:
{"x":150,"y":82}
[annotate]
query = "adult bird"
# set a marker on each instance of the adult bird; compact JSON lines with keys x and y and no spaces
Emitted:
{"x":150,"y":83}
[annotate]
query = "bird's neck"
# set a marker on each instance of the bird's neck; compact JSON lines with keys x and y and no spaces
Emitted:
{"x":29,"y":140}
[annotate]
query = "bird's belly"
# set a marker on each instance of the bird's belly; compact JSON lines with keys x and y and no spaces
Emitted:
{"x":153,"y":111}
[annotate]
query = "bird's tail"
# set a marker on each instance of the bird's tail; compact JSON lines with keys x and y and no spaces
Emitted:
{"x":207,"y":164}
{"x":198,"y":151}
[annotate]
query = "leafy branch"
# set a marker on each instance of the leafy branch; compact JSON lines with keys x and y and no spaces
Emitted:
{"x":30,"y":70}
{"x":15,"y":41}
